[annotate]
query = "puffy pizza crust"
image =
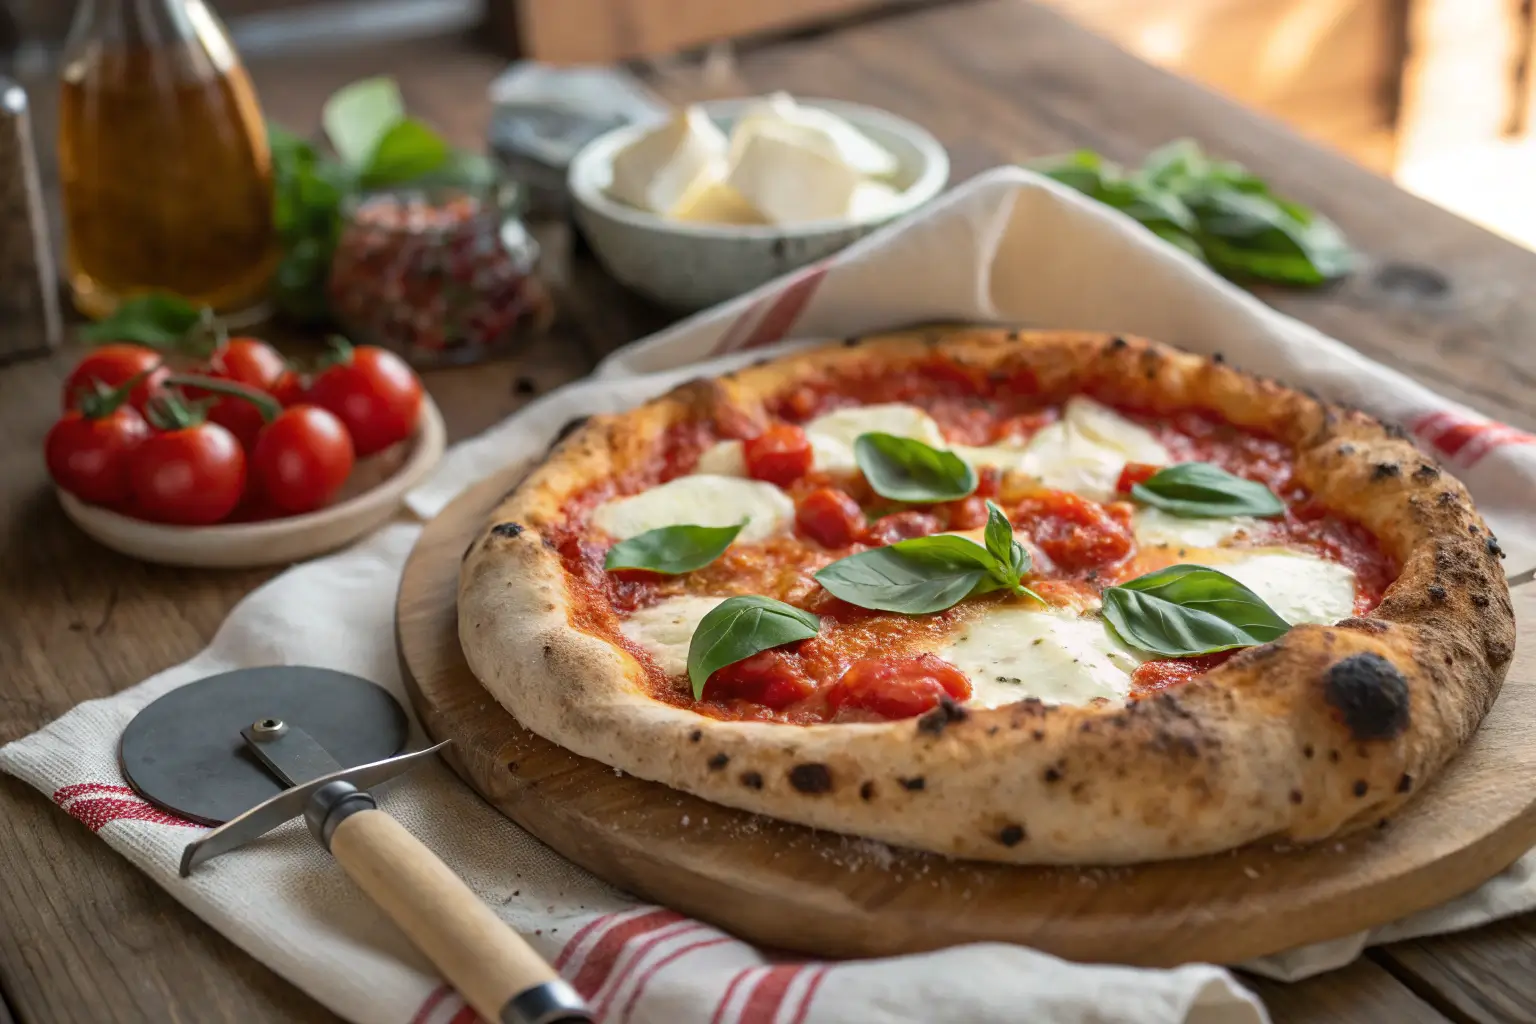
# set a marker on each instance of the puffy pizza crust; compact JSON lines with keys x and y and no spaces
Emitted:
{"x":1322,"y":731}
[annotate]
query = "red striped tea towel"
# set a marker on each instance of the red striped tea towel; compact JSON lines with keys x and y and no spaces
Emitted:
{"x":1007,"y":246}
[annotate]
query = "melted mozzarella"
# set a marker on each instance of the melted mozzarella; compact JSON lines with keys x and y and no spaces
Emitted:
{"x":724,"y":458}
{"x":833,"y":434}
{"x":999,"y":456}
{"x":1013,"y":652}
{"x":1155,"y":527}
{"x":665,"y":630}
{"x":1299,"y":587}
{"x":702,"y":500}
{"x":1085,"y":450}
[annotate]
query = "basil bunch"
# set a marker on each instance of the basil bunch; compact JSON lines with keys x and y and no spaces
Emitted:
{"x":740,"y":627}
{"x":1214,"y":210}
{"x":1187,"y":610}
{"x":930,"y":574}
{"x":1198,"y":490}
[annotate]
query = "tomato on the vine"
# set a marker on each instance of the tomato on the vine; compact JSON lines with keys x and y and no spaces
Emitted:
{"x":109,"y":366}
{"x":250,"y":362}
{"x":190,"y":473}
{"x":89,"y":452}
{"x":302,"y":458}
{"x":290,"y":389}
{"x":374,"y":393}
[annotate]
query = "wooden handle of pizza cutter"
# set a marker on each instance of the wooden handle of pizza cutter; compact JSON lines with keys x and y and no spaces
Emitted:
{"x":492,"y":967}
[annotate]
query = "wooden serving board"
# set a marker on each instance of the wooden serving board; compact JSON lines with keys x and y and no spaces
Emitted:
{"x":795,"y":888}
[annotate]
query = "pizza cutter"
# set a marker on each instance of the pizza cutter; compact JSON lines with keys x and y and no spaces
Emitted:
{"x":248,"y":750}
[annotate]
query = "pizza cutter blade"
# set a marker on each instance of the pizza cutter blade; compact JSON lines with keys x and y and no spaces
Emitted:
{"x":248,"y":750}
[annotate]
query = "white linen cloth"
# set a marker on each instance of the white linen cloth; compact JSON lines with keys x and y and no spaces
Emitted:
{"x":1009,"y":247}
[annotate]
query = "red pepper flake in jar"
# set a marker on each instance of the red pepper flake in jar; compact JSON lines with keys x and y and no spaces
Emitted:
{"x":441,"y":276}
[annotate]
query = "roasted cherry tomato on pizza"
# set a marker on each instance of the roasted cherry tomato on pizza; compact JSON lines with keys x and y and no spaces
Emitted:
{"x":780,"y":455}
{"x":772,"y":678}
{"x":373,"y":392}
{"x":900,"y":687}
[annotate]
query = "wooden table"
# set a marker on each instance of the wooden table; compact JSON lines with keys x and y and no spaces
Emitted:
{"x":83,"y":937}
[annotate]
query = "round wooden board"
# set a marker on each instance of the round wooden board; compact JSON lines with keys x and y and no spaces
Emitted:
{"x":794,"y":888}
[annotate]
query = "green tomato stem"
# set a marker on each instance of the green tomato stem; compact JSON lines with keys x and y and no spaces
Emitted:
{"x":268,"y":406}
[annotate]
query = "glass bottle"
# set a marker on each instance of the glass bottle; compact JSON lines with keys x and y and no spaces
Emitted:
{"x":167,"y":179}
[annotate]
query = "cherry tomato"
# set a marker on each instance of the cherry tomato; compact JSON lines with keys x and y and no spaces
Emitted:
{"x":291,"y":388}
{"x":191,"y":476}
{"x":902,"y":526}
{"x":967,"y":513}
{"x":772,"y":678}
{"x":902,"y":687}
{"x":245,"y":361}
{"x":1135,"y":473}
{"x":302,"y":458}
{"x":375,"y":394}
{"x":1075,"y":533}
{"x":90,"y":456}
{"x":989,"y":481}
{"x":829,"y":517}
{"x":112,"y":365}
{"x":780,"y":455}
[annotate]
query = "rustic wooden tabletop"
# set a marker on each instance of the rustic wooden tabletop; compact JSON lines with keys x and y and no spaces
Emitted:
{"x":86,"y":938}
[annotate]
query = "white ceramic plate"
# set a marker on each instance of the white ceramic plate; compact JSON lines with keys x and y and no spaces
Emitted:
{"x":369,"y":499}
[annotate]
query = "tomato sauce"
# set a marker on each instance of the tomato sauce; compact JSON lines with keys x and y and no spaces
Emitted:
{"x":1079,"y":546}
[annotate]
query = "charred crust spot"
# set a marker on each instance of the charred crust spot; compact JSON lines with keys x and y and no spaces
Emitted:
{"x":1218,"y":358}
{"x":941,"y":717}
{"x":811,"y":778}
{"x":852,"y":341}
{"x":1436,"y":592}
{"x":752,"y":780}
{"x":1333,"y":756}
{"x":1014,"y":335}
{"x":1395,"y":430}
{"x":696,"y":735}
{"x":1346,"y":449}
{"x":1481,"y":600}
{"x":1116,"y":343}
{"x":525,"y":386}
{"x":1052,"y":774}
{"x":867,"y":792}
{"x":507,"y":529}
{"x":1364,"y":625}
{"x":1472,"y":528}
{"x":1011,"y":835}
{"x":993,"y":730}
{"x":1371,"y":695}
{"x":1037,"y":734}
{"x":1169,"y":703}
{"x":512,"y":767}
{"x":1361,"y":787}
{"x":1296,"y":796}
{"x":1385,"y":470}
{"x":1446,"y":498}
{"x":1405,"y":783}
{"x":914,"y":784}
{"x":718,"y":761}
{"x":548,"y":650}
{"x":1493,"y":547}
{"x":1427,"y":472}
{"x":1308,"y":751}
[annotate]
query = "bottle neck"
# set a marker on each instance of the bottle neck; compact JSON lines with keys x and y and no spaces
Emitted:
{"x":139,"y":22}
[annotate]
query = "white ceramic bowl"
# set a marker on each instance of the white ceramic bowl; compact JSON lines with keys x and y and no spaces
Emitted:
{"x":689,"y":266}
{"x":370,"y":497}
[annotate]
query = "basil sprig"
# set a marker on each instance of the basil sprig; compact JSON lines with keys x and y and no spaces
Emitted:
{"x":740,"y":627}
{"x":930,"y":574}
{"x":904,"y":469}
{"x":672,"y":549}
{"x":1198,"y":490}
{"x":1187,"y":610}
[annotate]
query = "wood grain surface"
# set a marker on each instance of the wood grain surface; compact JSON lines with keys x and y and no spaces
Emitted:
{"x":784,"y":886}
{"x":88,"y":939}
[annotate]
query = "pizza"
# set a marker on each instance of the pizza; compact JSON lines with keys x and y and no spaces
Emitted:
{"x":1034,"y":597}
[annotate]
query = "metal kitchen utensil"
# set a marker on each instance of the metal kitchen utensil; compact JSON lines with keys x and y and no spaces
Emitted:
{"x":248,"y":750}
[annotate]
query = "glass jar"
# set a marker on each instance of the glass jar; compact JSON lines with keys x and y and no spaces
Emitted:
{"x":442,"y":275}
{"x":163,"y":159}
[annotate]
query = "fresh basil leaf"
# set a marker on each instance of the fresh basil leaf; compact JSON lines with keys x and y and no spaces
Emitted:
{"x":740,"y":627}
{"x":158,"y":319}
{"x":914,"y":577}
{"x":358,"y":116}
{"x":1009,"y":554}
{"x":1197,"y":490}
{"x":1187,"y":610}
{"x":407,"y":151}
{"x":672,"y":549}
{"x":904,"y":469}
